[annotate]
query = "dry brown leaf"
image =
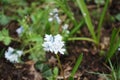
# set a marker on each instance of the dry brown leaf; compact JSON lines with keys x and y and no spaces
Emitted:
{"x":33,"y":71}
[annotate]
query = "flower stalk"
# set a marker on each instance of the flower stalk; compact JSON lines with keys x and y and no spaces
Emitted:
{"x":59,"y":63}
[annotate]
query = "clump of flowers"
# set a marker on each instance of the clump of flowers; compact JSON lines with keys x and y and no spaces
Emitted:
{"x":54,"y":16}
{"x":54,"y":44}
{"x":13,"y":55}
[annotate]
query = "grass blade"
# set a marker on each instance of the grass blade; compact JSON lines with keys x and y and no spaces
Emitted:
{"x":82,"y":38}
{"x":74,"y":30}
{"x":114,"y":43}
{"x":113,"y":71}
{"x":102,"y":19}
{"x":76,"y":66}
{"x":86,"y":15}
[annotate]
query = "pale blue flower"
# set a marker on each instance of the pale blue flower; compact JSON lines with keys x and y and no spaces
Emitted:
{"x":49,"y":38}
{"x":58,"y":38}
{"x":47,"y":46}
{"x":54,"y":44}
{"x":19,"y":30}
{"x":13,"y":55}
{"x":65,"y":27}
{"x":118,"y":49}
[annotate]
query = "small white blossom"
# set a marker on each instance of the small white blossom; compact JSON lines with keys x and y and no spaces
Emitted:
{"x":58,"y":38}
{"x":55,"y":10}
{"x":51,"y":13}
{"x":50,"y":19}
{"x":67,"y":31}
{"x":118,"y":49}
{"x":54,"y":16}
{"x":47,"y":46}
{"x":19,"y":30}
{"x":58,"y":19}
{"x":54,"y":44}
{"x":48,"y":38}
{"x":58,"y":47}
{"x":65,"y":27}
{"x":13,"y":55}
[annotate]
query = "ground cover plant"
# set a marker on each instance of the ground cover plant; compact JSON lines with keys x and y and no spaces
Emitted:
{"x":60,"y":40}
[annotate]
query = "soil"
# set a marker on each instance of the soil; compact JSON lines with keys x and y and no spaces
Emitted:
{"x":92,"y":60}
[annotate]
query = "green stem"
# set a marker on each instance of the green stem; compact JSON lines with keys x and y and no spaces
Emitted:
{"x":14,"y":39}
{"x":74,"y":30}
{"x":102,"y":19}
{"x":60,"y":66}
{"x":82,"y":38}
{"x":27,"y":51}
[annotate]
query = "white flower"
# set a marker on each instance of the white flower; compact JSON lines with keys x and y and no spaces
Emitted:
{"x":19,"y":30}
{"x":118,"y":49}
{"x":50,"y":19}
{"x":13,"y":55}
{"x":65,"y":27}
{"x":58,"y":47}
{"x":58,"y":38}
{"x":48,"y":38}
{"x":54,"y":16}
{"x":58,"y":19}
{"x":54,"y":44}
{"x":55,"y":10}
{"x":67,"y":32}
{"x":47,"y":46}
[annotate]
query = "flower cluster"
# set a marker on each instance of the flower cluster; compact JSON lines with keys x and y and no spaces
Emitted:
{"x":54,"y":44}
{"x":13,"y":55}
{"x":54,"y":16}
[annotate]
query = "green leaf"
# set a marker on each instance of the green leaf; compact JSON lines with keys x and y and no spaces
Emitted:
{"x":44,"y":69}
{"x":102,"y":19}
{"x":87,"y":18}
{"x":36,"y":38}
{"x":99,"y":1}
{"x":71,"y":78}
{"x":79,"y":60}
{"x":47,"y":73}
{"x":82,"y":38}
{"x":114,"y":43}
{"x":4,"y":19}
{"x":74,"y":30}
{"x":7,"y":41}
{"x":114,"y":76}
{"x":118,"y":17}
{"x":55,"y":71}
{"x":4,"y":37}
